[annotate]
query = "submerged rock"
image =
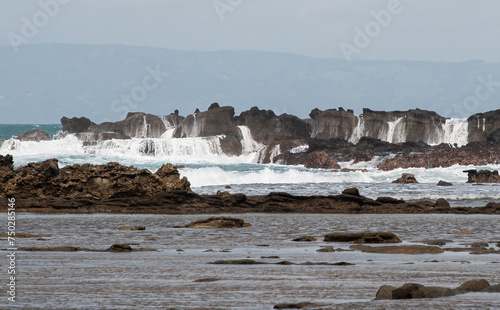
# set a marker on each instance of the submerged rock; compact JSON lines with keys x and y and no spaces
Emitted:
{"x":305,"y":238}
{"x":364,"y":237}
{"x":402,"y":249}
{"x":132,"y":228}
{"x":219,"y":222}
{"x":444,"y":183}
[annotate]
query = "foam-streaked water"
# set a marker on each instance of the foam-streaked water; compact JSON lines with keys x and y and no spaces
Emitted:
{"x":166,"y":278}
{"x":209,"y":170}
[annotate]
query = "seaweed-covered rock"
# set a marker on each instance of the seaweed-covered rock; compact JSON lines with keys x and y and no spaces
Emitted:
{"x":219,"y":222}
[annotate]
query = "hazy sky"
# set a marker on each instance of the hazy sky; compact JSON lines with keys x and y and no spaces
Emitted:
{"x":437,"y":30}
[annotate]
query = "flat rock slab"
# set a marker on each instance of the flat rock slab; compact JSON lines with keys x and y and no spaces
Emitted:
{"x":402,"y":249}
{"x":364,"y":237}
{"x":254,"y":262}
{"x":219,"y":222}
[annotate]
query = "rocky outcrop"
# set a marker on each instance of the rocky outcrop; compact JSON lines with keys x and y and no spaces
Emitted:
{"x":113,"y":188}
{"x":113,"y":180}
{"x":396,"y":126}
{"x":406,"y":178}
{"x":266,"y":127}
{"x":365,"y":237}
{"x":481,"y":125}
{"x":135,"y":125}
{"x":477,"y":154}
{"x":320,"y":159}
{"x":76,"y":124}
{"x":36,"y":135}
{"x":219,"y":222}
{"x":216,"y":121}
{"x":482,"y":176}
{"x":333,"y":124}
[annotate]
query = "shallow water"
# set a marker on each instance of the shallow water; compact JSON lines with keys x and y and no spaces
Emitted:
{"x":165,"y":278}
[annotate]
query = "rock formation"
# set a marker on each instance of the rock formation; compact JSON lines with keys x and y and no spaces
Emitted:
{"x":482,"y":176}
{"x":406,"y":178}
{"x":45,"y":180}
{"x":76,"y":124}
{"x":340,"y":134}
{"x":113,"y":188}
{"x":36,"y":135}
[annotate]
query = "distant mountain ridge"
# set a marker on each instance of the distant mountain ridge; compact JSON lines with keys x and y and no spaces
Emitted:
{"x":105,"y":82}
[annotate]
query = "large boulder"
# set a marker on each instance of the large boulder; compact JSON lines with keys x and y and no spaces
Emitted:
{"x":36,"y":135}
{"x":474,"y":285}
{"x":413,"y":290}
{"x":76,"y":124}
{"x":320,"y":159}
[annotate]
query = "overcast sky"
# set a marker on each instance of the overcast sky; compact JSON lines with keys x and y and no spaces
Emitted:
{"x":443,"y":30}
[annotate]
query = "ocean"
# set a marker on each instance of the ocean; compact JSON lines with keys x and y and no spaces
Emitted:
{"x":178,"y":274}
{"x":209,"y":170}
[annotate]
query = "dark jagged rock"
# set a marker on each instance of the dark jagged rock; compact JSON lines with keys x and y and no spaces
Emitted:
{"x":406,"y":178}
{"x":482,"y":176}
{"x":444,"y":183}
{"x":365,"y":237}
{"x":444,"y":155}
{"x":219,"y":222}
{"x":113,"y":180}
{"x":113,"y":188}
{"x":35,"y":135}
{"x":266,"y":127}
{"x":76,"y":124}
{"x":320,"y":159}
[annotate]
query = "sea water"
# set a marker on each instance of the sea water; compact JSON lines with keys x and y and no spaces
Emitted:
{"x":167,"y":277}
{"x":209,"y":170}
